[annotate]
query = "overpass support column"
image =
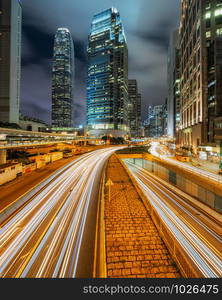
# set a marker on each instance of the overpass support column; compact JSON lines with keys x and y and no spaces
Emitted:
{"x":3,"y":156}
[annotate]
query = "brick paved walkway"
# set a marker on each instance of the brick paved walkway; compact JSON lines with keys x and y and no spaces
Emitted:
{"x":133,"y":245}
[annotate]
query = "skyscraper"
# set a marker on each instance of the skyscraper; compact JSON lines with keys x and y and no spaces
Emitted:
{"x":213,"y":52}
{"x":201,"y":73}
{"x":134,"y":108}
{"x":107,"y":84}
{"x":173,"y":80}
{"x":155,"y":125}
{"x":193,"y":94}
{"x":63,"y":80}
{"x":10,"y":60}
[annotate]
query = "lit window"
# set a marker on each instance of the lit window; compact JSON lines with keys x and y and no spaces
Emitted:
{"x":218,"y":12}
{"x":208,"y":34}
{"x":219,"y":31}
{"x":208,"y":15}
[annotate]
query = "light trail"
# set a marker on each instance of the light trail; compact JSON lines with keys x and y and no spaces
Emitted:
{"x":201,"y":243}
{"x":154,"y":151}
{"x":45,"y":238}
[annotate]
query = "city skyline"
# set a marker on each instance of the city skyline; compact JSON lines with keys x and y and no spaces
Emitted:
{"x":148,"y":38}
{"x":123,"y":196}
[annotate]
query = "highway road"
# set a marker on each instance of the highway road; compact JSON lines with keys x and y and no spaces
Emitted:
{"x":198,"y":233}
{"x":159,"y":152}
{"x":53,"y":235}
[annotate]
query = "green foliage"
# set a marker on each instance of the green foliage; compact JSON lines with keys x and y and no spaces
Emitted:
{"x":134,"y":150}
{"x":114,"y":140}
{"x":105,"y":138}
{"x":117,"y":141}
{"x":9,"y":125}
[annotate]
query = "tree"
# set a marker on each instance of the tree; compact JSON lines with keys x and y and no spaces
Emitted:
{"x":105,"y":138}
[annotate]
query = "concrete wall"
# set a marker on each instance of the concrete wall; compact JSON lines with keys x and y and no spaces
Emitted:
{"x":203,"y":194}
{"x":9,"y":173}
{"x":46,"y":158}
{"x":29,"y":168}
{"x":56,"y":156}
{"x":40,"y":164}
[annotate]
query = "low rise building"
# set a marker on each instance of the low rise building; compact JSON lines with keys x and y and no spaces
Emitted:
{"x":32,"y":124}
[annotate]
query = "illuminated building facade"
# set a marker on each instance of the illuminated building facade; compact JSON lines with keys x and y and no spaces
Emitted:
{"x":10,"y":60}
{"x":213,"y":36}
{"x":62,"y":80}
{"x":173,"y":80}
{"x":156,"y":123}
{"x":201,"y":60}
{"x":134,"y":108}
{"x":107,"y":83}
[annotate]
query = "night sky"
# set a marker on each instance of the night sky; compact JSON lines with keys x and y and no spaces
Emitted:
{"x":147,"y":24}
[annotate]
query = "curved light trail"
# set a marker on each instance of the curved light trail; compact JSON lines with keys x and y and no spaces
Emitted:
{"x":190,"y":227}
{"x":154,"y":150}
{"x":45,"y":237}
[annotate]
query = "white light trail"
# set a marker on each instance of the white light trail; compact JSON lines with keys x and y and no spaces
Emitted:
{"x":200,"y":249}
{"x":44,"y":238}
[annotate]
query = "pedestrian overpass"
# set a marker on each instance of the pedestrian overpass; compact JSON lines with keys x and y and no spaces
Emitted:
{"x":16,"y":139}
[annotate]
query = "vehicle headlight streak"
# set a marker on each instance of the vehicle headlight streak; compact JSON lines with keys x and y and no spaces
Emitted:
{"x":169,"y":194}
{"x":204,"y":173}
{"x":54,"y":221}
{"x":207,"y":262}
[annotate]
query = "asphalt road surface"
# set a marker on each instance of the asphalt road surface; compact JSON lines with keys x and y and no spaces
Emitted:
{"x":53,"y":235}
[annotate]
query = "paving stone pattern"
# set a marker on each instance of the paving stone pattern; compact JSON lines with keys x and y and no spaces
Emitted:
{"x":134,"y":248}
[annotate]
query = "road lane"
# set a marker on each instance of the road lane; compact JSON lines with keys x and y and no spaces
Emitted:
{"x":47,"y":237}
{"x":156,"y":150}
{"x":191,"y":228}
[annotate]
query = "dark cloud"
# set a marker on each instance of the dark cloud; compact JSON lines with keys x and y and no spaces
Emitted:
{"x":148,"y":24}
{"x":158,"y":36}
{"x":80,"y":50}
{"x":40,"y":40}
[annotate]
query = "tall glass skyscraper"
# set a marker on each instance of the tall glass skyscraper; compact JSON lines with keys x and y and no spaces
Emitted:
{"x":62,"y":80}
{"x":107,"y":84}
